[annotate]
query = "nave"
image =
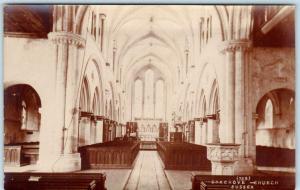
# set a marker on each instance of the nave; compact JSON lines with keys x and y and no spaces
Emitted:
{"x":148,"y":173}
{"x":210,"y":88}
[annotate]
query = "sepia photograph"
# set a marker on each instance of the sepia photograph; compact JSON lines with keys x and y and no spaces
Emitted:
{"x":149,"y":97}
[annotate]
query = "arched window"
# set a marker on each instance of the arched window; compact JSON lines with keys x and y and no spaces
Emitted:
{"x":159,"y":96}
{"x":138,"y":96}
{"x":269,"y":114}
{"x":149,"y":103}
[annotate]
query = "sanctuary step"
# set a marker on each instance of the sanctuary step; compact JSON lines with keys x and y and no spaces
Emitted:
{"x":148,"y":145}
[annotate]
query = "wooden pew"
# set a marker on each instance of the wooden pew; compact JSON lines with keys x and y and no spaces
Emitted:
{"x":183,"y":156}
{"x":284,"y":157}
{"x":20,"y":154}
{"x":114,"y":154}
{"x":54,"y":181}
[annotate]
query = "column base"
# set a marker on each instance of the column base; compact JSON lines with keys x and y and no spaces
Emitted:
{"x":62,"y":163}
{"x":244,"y":166}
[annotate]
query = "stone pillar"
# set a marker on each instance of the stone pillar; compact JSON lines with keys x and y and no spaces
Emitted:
{"x":198,"y":131}
{"x":240,"y":47}
{"x":235,"y":112}
{"x":230,"y":96}
{"x":212,"y":129}
{"x":204,"y":131}
{"x":67,"y":45}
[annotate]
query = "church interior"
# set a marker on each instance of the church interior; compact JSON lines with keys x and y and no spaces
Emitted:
{"x":146,"y":96}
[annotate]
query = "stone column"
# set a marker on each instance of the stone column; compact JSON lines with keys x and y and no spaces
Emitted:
{"x":198,"y":131}
{"x":235,"y":112}
{"x":67,"y":45}
{"x":230,"y":94}
{"x":212,"y":130}
{"x":244,"y":164}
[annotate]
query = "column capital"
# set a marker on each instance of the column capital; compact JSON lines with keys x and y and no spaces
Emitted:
{"x":67,"y":38}
{"x":236,"y":45}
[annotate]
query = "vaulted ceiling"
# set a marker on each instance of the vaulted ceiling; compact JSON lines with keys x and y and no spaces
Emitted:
{"x":156,"y":35}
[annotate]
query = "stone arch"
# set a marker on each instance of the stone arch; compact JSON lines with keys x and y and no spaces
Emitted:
{"x":235,"y":21}
{"x":92,"y":71}
{"x":22,"y":102}
{"x":22,"y":119}
{"x":280,"y":136}
{"x":79,"y":18}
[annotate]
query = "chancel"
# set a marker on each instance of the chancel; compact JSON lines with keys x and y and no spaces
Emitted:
{"x":148,"y":96}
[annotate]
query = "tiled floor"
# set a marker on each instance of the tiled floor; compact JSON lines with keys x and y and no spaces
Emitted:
{"x":148,"y":173}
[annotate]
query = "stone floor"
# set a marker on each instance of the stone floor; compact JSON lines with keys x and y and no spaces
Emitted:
{"x":147,"y":173}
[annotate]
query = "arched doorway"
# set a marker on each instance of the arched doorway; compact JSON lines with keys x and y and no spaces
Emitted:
{"x":275,"y":129}
{"x":21,"y":125}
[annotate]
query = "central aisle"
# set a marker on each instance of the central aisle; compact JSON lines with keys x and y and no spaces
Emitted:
{"x":147,"y":173}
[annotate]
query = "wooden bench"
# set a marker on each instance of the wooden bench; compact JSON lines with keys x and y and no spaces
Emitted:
{"x":275,"y":157}
{"x":183,"y":156}
{"x":20,"y":154}
{"x":54,"y":181}
{"x":257,"y":182}
{"x":115,"y":154}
